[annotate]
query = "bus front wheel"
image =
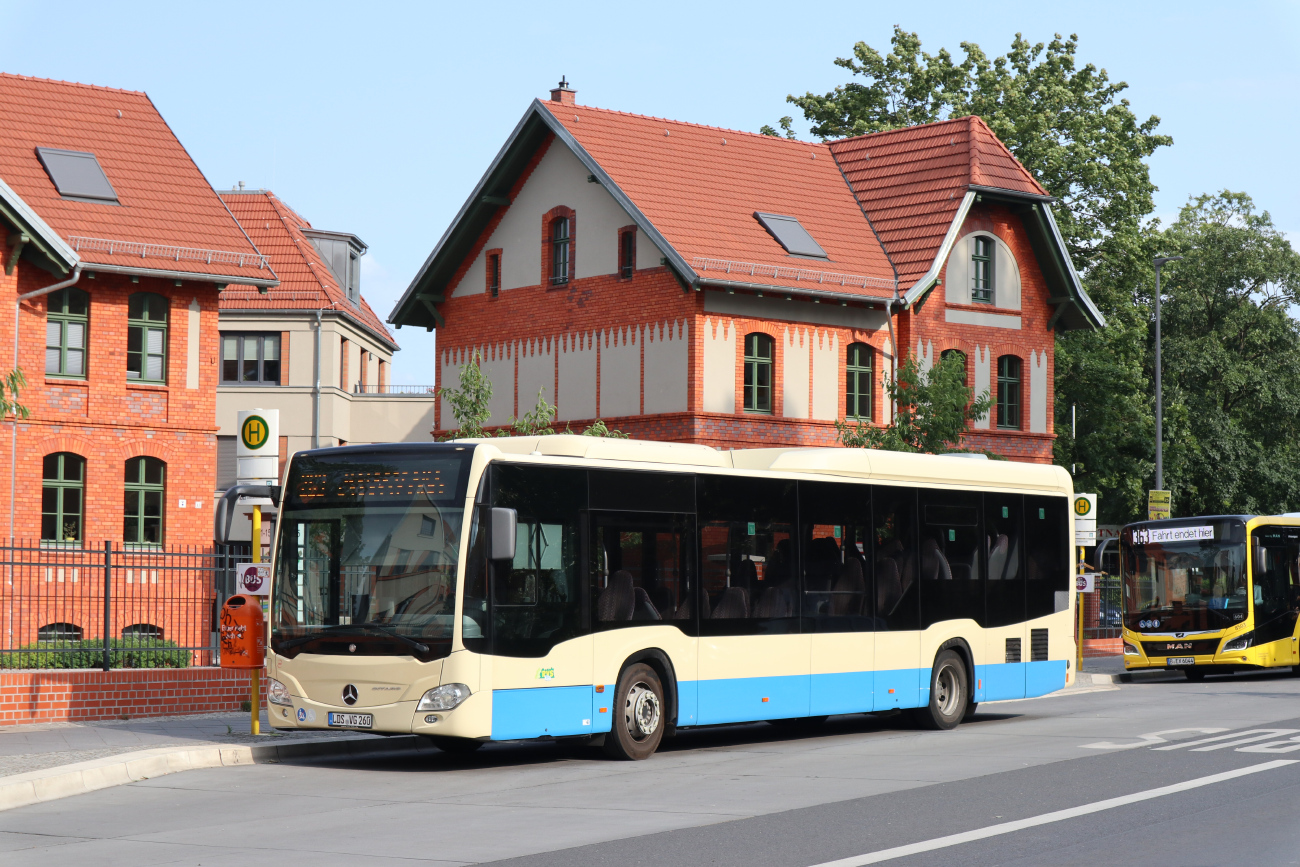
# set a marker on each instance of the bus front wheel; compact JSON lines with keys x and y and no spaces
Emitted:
{"x":638,"y":724}
{"x":949,"y":694}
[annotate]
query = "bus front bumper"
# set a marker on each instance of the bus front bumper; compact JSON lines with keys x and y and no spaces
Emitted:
{"x":471,"y":719}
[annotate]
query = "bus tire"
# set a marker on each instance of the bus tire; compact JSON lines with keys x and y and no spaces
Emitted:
{"x":949,"y":694}
{"x":456,"y":746}
{"x":639,"y":723}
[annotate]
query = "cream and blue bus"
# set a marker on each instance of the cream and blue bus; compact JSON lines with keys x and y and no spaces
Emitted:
{"x":618,"y":591}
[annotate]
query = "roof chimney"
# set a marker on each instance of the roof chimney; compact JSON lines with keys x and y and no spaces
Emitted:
{"x":564,"y":94}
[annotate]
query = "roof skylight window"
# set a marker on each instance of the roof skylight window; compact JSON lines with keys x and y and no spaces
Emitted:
{"x":77,"y":175}
{"x":791,"y":235}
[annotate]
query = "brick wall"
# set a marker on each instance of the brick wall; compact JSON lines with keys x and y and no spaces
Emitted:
{"x":81,"y":696}
{"x":107,"y":419}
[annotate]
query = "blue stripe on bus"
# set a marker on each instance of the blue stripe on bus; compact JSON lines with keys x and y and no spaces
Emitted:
{"x":574,"y":710}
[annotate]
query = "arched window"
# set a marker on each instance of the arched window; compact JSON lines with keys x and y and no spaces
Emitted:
{"x":59,"y":632}
{"x":961,"y":356}
{"x":1009,"y":392}
{"x":858,"y":382}
{"x":63,"y":490}
{"x":66,"y":322}
{"x":141,"y":631}
{"x":758,"y":373}
{"x":627,"y":253}
{"x":146,"y":337}
{"x":143,"y":512}
{"x":981,"y":270}
{"x":560,"y":250}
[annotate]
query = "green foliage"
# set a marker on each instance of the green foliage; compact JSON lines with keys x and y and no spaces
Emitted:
{"x":123,"y":653}
{"x":932,"y":415}
{"x":10,"y":385}
{"x":470,"y":404}
{"x":1067,"y":124}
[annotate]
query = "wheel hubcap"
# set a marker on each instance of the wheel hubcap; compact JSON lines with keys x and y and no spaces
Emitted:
{"x":947,"y":690}
{"x":641,"y":713}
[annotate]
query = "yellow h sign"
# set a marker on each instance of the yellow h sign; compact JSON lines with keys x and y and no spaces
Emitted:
{"x":254,"y":432}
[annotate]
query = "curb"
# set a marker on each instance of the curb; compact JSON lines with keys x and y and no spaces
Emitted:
{"x":51,"y":784}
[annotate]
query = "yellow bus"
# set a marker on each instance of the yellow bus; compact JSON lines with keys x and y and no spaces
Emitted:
{"x":1211,"y":594}
{"x":618,"y":591}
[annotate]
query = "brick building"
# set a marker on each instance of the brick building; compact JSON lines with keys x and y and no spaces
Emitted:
{"x":696,"y":284}
{"x":100,"y":200}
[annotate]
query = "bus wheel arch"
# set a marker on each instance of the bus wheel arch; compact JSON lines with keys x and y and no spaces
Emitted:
{"x":950,"y":676}
{"x":663,"y":666}
{"x":962,"y":648}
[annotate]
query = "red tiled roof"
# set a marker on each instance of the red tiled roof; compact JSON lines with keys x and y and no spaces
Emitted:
{"x":911,"y":182}
{"x":168,"y":211}
{"x":306,"y":282}
{"x":701,"y":194}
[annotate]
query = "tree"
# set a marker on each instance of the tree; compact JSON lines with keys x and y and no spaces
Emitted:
{"x":933,"y":410}
{"x":10,"y":385}
{"x":1067,"y":124}
{"x":470,"y":404}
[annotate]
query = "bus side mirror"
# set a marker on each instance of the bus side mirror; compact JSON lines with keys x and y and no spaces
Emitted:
{"x":504,"y":526}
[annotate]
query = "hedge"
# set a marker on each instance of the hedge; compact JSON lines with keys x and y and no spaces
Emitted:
{"x":123,"y":653}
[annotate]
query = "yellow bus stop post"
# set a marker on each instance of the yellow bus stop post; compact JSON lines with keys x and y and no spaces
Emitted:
{"x":1078,"y":670}
{"x":255,"y":688}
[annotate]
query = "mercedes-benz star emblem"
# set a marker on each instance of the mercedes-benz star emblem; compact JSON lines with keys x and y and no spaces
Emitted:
{"x":349,"y":695}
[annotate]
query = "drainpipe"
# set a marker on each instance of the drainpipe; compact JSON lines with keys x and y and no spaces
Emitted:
{"x":893,"y":350}
{"x":315,"y":398}
{"x":13,"y":425}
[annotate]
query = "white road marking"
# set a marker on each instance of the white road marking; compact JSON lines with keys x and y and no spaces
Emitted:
{"x":1147,"y":740}
{"x":1048,"y":818}
{"x":1235,"y":739}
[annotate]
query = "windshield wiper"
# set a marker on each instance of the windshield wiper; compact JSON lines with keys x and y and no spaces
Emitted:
{"x":409,"y":642}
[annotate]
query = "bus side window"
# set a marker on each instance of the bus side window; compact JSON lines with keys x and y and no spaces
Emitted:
{"x":835,"y":529}
{"x":538,"y":600}
{"x":747,"y":555}
{"x":1048,"y":557}
{"x":642,"y":569}
{"x":1005,"y":590}
{"x":952,"y":562}
{"x":893,"y":518}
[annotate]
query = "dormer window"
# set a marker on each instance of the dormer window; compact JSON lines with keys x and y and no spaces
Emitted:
{"x":342,"y":252}
{"x":981,"y":270}
{"x":559,"y":251}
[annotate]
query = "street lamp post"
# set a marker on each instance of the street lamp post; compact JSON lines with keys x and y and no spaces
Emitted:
{"x":1160,"y":453}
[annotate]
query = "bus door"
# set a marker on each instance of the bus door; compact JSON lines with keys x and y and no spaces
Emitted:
{"x":753,"y":662}
{"x":898,"y":676}
{"x":1275,"y":576}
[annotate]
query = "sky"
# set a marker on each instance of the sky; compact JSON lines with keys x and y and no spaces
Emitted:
{"x":379,"y":118}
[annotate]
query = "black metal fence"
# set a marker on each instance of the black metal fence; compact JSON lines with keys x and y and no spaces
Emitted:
{"x":1103,"y":617}
{"x":113,"y":606}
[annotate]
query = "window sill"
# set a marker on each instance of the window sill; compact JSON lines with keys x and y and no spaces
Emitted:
{"x":146,"y":385}
{"x":980,"y":307}
{"x":60,"y":379}
{"x":766,"y":412}
{"x":142,"y":546}
{"x":230,"y":384}
{"x":53,"y":544}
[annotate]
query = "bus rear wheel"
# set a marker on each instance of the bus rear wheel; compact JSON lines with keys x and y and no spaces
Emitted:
{"x":638,"y":724}
{"x":949,"y":694}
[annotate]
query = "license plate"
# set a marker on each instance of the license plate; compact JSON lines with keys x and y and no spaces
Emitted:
{"x":352,"y":720}
{"x":1182,"y":660}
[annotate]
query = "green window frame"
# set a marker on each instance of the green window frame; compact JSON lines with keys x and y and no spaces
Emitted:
{"x":560,"y":250}
{"x":63,"y":497}
{"x":981,"y":270}
{"x":67,"y":323}
{"x":758,"y":372}
{"x":1009,"y":368}
{"x":858,"y":382}
{"x":146,"y":338}
{"x":142,"y":512}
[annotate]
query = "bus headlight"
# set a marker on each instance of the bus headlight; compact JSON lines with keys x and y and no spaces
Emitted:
{"x":1241,"y":642}
{"x":277,"y":693}
{"x":445,"y":697}
{"x":1131,"y":650}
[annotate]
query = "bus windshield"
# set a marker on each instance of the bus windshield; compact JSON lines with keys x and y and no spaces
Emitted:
{"x":1184,"y":578}
{"x":369,"y":542}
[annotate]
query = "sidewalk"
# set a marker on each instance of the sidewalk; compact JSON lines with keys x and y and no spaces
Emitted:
{"x":44,"y":761}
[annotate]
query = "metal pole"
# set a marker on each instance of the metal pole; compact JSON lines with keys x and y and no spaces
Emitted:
{"x":255,"y":692}
{"x":1160,"y":452}
{"x":108,"y":605}
{"x":1079,"y":648}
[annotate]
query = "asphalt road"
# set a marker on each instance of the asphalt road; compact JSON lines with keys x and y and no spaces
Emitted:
{"x":1153,"y":773}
